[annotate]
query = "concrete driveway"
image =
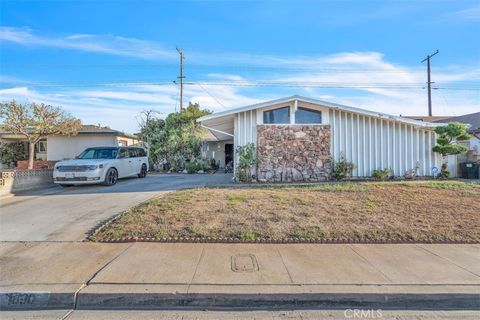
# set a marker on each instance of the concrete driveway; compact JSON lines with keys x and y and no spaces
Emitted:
{"x":67,"y":214}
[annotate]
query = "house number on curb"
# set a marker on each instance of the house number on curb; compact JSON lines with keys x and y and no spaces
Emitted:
{"x":19,"y":299}
{"x":244,"y":263}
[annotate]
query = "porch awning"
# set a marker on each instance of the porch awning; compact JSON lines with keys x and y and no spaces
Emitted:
{"x":219,"y":129}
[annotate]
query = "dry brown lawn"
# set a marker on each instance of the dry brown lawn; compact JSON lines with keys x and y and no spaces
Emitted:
{"x":408,"y":211}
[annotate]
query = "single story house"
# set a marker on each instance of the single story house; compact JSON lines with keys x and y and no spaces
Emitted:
{"x":297,"y":138}
{"x":68,"y":147}
{"x":55,"y":148}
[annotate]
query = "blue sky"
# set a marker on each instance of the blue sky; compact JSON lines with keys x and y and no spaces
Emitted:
{"x":105,"y":61}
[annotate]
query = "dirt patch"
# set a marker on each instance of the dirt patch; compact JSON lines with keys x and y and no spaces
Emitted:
{"x":408,"y":211}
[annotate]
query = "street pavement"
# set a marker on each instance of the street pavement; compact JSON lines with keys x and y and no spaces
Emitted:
{"x":67,"y":214}
{"x":241,"y":315}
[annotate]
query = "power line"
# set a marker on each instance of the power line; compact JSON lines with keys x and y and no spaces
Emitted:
{"x":219,"y":66}
{"x":218,"y":101}
{"x":258,"y":83}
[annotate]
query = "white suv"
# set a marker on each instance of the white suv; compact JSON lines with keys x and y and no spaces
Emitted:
{"x":102,"y":165}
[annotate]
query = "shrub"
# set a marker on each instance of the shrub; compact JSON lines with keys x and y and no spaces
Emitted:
{"x":342,"y":169}
{"x":246,"y":161}
{"x":11,"y":152}
{"x":444,"y":172}
{"x":381,"y":174}
{"x":193,"y":166}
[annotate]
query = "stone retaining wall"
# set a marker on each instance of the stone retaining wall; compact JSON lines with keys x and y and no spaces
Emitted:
{"x":293,"y":153}
{"x":12,"y":181}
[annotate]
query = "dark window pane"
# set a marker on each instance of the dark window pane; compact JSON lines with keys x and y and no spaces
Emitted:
{"x":132,"y":153}
{"x":96,"y":153}
{"x":281,"y":115}
{"x":308,"y":116}
{"x":123,"y":153}
{"x":141,"y":153}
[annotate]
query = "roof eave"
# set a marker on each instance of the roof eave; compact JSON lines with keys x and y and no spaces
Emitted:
{"x":324,"y":103}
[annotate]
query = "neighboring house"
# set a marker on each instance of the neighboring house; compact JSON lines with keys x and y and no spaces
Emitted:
{"x":56,"y":148}
{"x":65,"y":147}
{"x":428,"y":118}
{"x":296,"y":139}
{"x":473,"y":145}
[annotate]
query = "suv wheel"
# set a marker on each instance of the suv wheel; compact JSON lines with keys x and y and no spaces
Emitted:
{"x":111,"y":177}
{"x":143,"y":171}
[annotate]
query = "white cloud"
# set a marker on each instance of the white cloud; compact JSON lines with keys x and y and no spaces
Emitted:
{"x":472,"y":13}
{"x":14,"y":92}
{"x":106,"y":44}
{"x":362,"y":58}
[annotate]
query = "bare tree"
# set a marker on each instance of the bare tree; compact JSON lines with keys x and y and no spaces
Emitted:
{"x":36,"y":122}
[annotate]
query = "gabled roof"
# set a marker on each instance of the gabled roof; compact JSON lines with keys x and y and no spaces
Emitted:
{"x":428,"y":118}
{"x":472,"y":119}
{"x":88,"y":129}
{"x":322,"y":103}
{"x":97,"y":129}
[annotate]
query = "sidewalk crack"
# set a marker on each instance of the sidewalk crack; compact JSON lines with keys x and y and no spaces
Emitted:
{"x":285,"y":266}
{"x":196,"y":268}
{"x":107,"y":264}
{"x":87,"y":283}
{"x":369,"y":263}
{"x":449,"y":260}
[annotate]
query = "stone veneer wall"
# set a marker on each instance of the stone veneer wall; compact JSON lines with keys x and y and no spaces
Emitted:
{"x":293,"y":153}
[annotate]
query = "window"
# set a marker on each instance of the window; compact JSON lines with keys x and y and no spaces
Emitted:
{"x":280,"y":115}
{"x":123,"y":153}
{"x":41,"y":146}
{"x":132,"y":153}
{"x":141,"y":152}
{"x":122,"y":143}
{"x":98,"y":153}
{"x":304,"y":115}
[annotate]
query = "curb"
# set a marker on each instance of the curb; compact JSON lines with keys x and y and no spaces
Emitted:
{"x":278,"y":301}
{"x":36,"y":300}
{"x":145,"y":296}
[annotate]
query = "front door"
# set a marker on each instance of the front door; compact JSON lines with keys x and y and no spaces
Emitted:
{"x":228,"y":153}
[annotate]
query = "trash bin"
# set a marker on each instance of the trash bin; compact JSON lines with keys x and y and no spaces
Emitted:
{"x":470,"y":170}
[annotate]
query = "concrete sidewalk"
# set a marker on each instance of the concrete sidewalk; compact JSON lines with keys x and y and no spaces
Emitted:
{"x":72,"y":275}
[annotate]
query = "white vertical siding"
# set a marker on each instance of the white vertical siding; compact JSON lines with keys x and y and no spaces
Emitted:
{"x":245,"y":128}
{"x":372,"y":143}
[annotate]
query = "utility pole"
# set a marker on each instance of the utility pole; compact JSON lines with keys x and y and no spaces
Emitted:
{"x":182,"y":57}
{"x":429,"y":82}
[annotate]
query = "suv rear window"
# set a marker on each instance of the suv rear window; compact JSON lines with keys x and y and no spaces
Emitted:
{"x":123,"y":153}
{"x":141,"y":152}
{"x":132,"y":152}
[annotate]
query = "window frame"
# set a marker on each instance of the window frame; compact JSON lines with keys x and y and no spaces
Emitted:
{"x":309,"y":110}
{"x":275,"y":109}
